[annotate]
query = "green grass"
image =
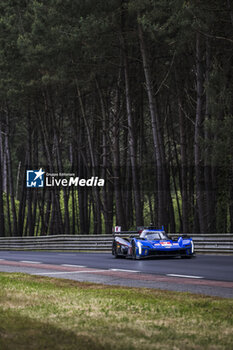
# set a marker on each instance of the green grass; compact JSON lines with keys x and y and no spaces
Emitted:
{"x":45,"y":313}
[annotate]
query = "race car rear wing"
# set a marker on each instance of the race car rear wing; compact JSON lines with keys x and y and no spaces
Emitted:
{"x":133,"y":234}
{"x":126,"y":234}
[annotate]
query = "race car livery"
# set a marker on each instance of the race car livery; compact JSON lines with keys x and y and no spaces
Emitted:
{"x":152,"y":243}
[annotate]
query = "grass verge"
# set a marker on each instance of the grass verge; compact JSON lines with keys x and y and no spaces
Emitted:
{"x":47,"y":313}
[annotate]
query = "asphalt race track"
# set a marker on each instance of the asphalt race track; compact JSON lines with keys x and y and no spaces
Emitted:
{"x":206,"y":274}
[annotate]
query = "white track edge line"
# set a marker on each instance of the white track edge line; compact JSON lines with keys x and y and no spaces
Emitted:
{"x":122,"y":270}
{"x":66,"y":272}
{"x":30,"y":262}
{"x":70,"y":265}
{"x":182,"y":276}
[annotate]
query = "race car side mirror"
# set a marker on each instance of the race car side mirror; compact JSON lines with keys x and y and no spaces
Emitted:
{"x":180,"y":241}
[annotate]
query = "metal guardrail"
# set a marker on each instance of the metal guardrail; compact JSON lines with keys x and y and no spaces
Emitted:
{"x":58,"y":242}
{"x":204,"y":243}
{"x":213,"y":243}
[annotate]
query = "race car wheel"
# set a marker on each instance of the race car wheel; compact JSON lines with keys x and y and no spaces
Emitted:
{"x":133,"y":251}
{"x":134,"y":256}
{"x":115,"y":251}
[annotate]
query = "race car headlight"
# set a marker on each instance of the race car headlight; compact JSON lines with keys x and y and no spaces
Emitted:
{"x":139,"y":244}
{"x":192,"y":247}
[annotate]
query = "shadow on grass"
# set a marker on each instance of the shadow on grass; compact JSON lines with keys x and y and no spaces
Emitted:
{"x":18,"y":332}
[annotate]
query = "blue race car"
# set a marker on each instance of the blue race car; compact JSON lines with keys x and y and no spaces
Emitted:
{"x":152,"y":243}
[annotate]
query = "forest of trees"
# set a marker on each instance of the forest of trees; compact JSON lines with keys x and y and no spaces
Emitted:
{"x":138,"y":92}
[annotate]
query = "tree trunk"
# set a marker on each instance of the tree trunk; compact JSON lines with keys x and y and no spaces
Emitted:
{"x":162,"y":178}
{"x":231,"y":198}
{"x":47,"y":212}
{"x":198,"y":157}
{"x":2,"y":220}
{"x":184,"y":170}
{"x":115,"y":117}
{"x":173,"y":174}
{"x":10,"y":177}
{"x":98,"y":204}
{"x":230,"y":8}
{"x":106,"y":167}
{"x":83,"y":195}
{"x":30,"y":222}
{"x":132,"y":148}
{"x":3,"y":156}
{"x":22,"y":202}
{"x":65,"y":194}
{"x":208,"y":169}
{"x":131,"y":134}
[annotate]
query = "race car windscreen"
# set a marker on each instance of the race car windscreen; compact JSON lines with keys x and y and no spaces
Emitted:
{"x":154,"y":236}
